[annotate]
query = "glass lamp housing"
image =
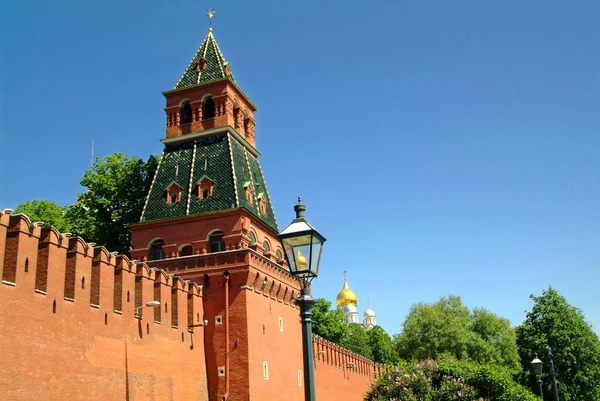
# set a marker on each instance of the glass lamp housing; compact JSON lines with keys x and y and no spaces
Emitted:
{"x":537,"y":364}
{"x":302,"y":245}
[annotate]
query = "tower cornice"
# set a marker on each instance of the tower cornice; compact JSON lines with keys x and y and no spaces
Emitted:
{"x":227,"y":79}
{"x":210,"y":132}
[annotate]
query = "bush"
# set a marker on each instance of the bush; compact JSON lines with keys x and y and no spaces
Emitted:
{"x":447,"y":380}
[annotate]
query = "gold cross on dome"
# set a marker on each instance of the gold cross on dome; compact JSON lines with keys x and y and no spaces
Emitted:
{"x":210,"y":14}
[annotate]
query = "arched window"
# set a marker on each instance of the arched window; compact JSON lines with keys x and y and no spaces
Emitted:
{"x":186,"y":251}
{"x":156,"y":250}
{"x":278,"y":254}
{"x":208,"y":110}
{"x":185,"y":113}
{"x":266,"y":247}
{"x":216,"y":242}
{"x":252,"y":238}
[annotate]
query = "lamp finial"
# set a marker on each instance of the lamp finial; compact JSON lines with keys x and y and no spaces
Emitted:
{"x":299,"y":209}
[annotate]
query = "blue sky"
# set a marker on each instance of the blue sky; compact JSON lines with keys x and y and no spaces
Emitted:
{"x":441,"y":147}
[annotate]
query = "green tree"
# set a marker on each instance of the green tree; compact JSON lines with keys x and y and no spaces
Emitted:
{"x":357,"y":340}
{"x":328,"y":323}
{"x":493,"y":340}
{"x":449,"y":328}
{"x":576,"y":348}
{"x":117,"y":189}
{"x":48,"y":212}
{"x":432,"y":330}
{"x":381,"y":346}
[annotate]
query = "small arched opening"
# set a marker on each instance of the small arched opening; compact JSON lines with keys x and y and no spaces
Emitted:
{"x":216,"y":241}
{"x":208,"y":108}
{"x":186,"y":251}
{"x":185,"y":113}
{"x":156,"y":249}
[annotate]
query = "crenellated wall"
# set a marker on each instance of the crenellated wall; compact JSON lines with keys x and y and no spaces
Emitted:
{"x":68,"y":329}
{"x":340,"y":373}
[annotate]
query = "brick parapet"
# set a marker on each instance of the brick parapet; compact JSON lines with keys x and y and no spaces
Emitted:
{"x":43,"y":261}
{"x":94,"y":331}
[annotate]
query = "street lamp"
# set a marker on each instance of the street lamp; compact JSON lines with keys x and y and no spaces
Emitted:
{"x":150,"y":304}
{"x":552,"y":372}
{"x":302,"y":245}
{"x":536,"y":364}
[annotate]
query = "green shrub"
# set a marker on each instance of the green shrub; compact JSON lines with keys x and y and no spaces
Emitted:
{"x":447,"y":380}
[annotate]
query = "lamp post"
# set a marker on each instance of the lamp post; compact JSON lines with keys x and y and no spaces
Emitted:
{"x":302,"y":244}
{"x":150,"y":304}
{"x":552,"y":372}
{"x":536,"y":364}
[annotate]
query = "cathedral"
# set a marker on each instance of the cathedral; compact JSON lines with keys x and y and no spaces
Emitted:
{"x":347,"y":302}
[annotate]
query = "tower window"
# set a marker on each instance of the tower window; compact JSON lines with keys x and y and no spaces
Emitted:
{"x":205,"y":189}
{"x":262,"y":205}
{"x":249,"y":193}
{"x":156,"y":250}
{"x":208,"y":111}
{"x":185,"y":114}
{"x":251,"y":237}
{"x":186,"y":251}
{"x":201,"y":65}
{"x":216,"y":242}
{"x":174,"y":194}
{"x":266,"y":247}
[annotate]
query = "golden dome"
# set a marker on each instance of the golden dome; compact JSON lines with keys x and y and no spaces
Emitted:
{"x":346,"y":296}
{"x":301,"y":262}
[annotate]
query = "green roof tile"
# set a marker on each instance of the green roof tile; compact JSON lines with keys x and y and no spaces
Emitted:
{"x":215,"y":65}
{"x":225,"y":162}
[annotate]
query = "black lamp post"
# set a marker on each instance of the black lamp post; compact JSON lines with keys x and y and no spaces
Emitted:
{"x":536,"y":364}
{"x":302,"y":244}
{"x":552,"y":372}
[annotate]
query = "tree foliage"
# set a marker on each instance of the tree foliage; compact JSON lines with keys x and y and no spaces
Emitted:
{"x":328,"y":323}
{"x":357,"y":340}
{"x":576,"y":348}
{"x":381,"y":346}
{"x":374,"y":344}
{"x":48,"y":212}
{"x":117,"y":189}
{"x":449,"y":328}
{"x":447,"y":380}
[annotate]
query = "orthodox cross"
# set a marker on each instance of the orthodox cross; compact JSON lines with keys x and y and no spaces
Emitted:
{"x":210,"y":14}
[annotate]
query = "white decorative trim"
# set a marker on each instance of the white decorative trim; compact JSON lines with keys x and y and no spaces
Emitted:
{"x":162,"y":156}
{"x":267,"y":191}
{"x":189,"y":194}
{"x":235,"y":189}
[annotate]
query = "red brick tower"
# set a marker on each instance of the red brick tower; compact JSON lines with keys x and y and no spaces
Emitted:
{"x":208,"y":218}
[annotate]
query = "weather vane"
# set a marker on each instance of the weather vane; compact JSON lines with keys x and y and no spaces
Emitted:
{"x":210,"y":14}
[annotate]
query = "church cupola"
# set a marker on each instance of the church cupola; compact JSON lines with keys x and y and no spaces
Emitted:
{"x":369,"y":317}
{"x":347,"y":301}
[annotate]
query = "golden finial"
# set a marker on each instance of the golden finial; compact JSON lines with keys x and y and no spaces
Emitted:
{"x":210,"y":14}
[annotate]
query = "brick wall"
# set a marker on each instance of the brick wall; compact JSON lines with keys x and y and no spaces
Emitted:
{"x":68,"y":329}
{"x":89,"y":344}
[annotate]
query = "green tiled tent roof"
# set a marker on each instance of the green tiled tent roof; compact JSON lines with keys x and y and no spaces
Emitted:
{"x":215,"y":64}
{"x":224,"y":161}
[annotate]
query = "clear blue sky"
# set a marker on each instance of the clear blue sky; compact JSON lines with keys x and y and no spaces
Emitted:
{"x":442,"y":147}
